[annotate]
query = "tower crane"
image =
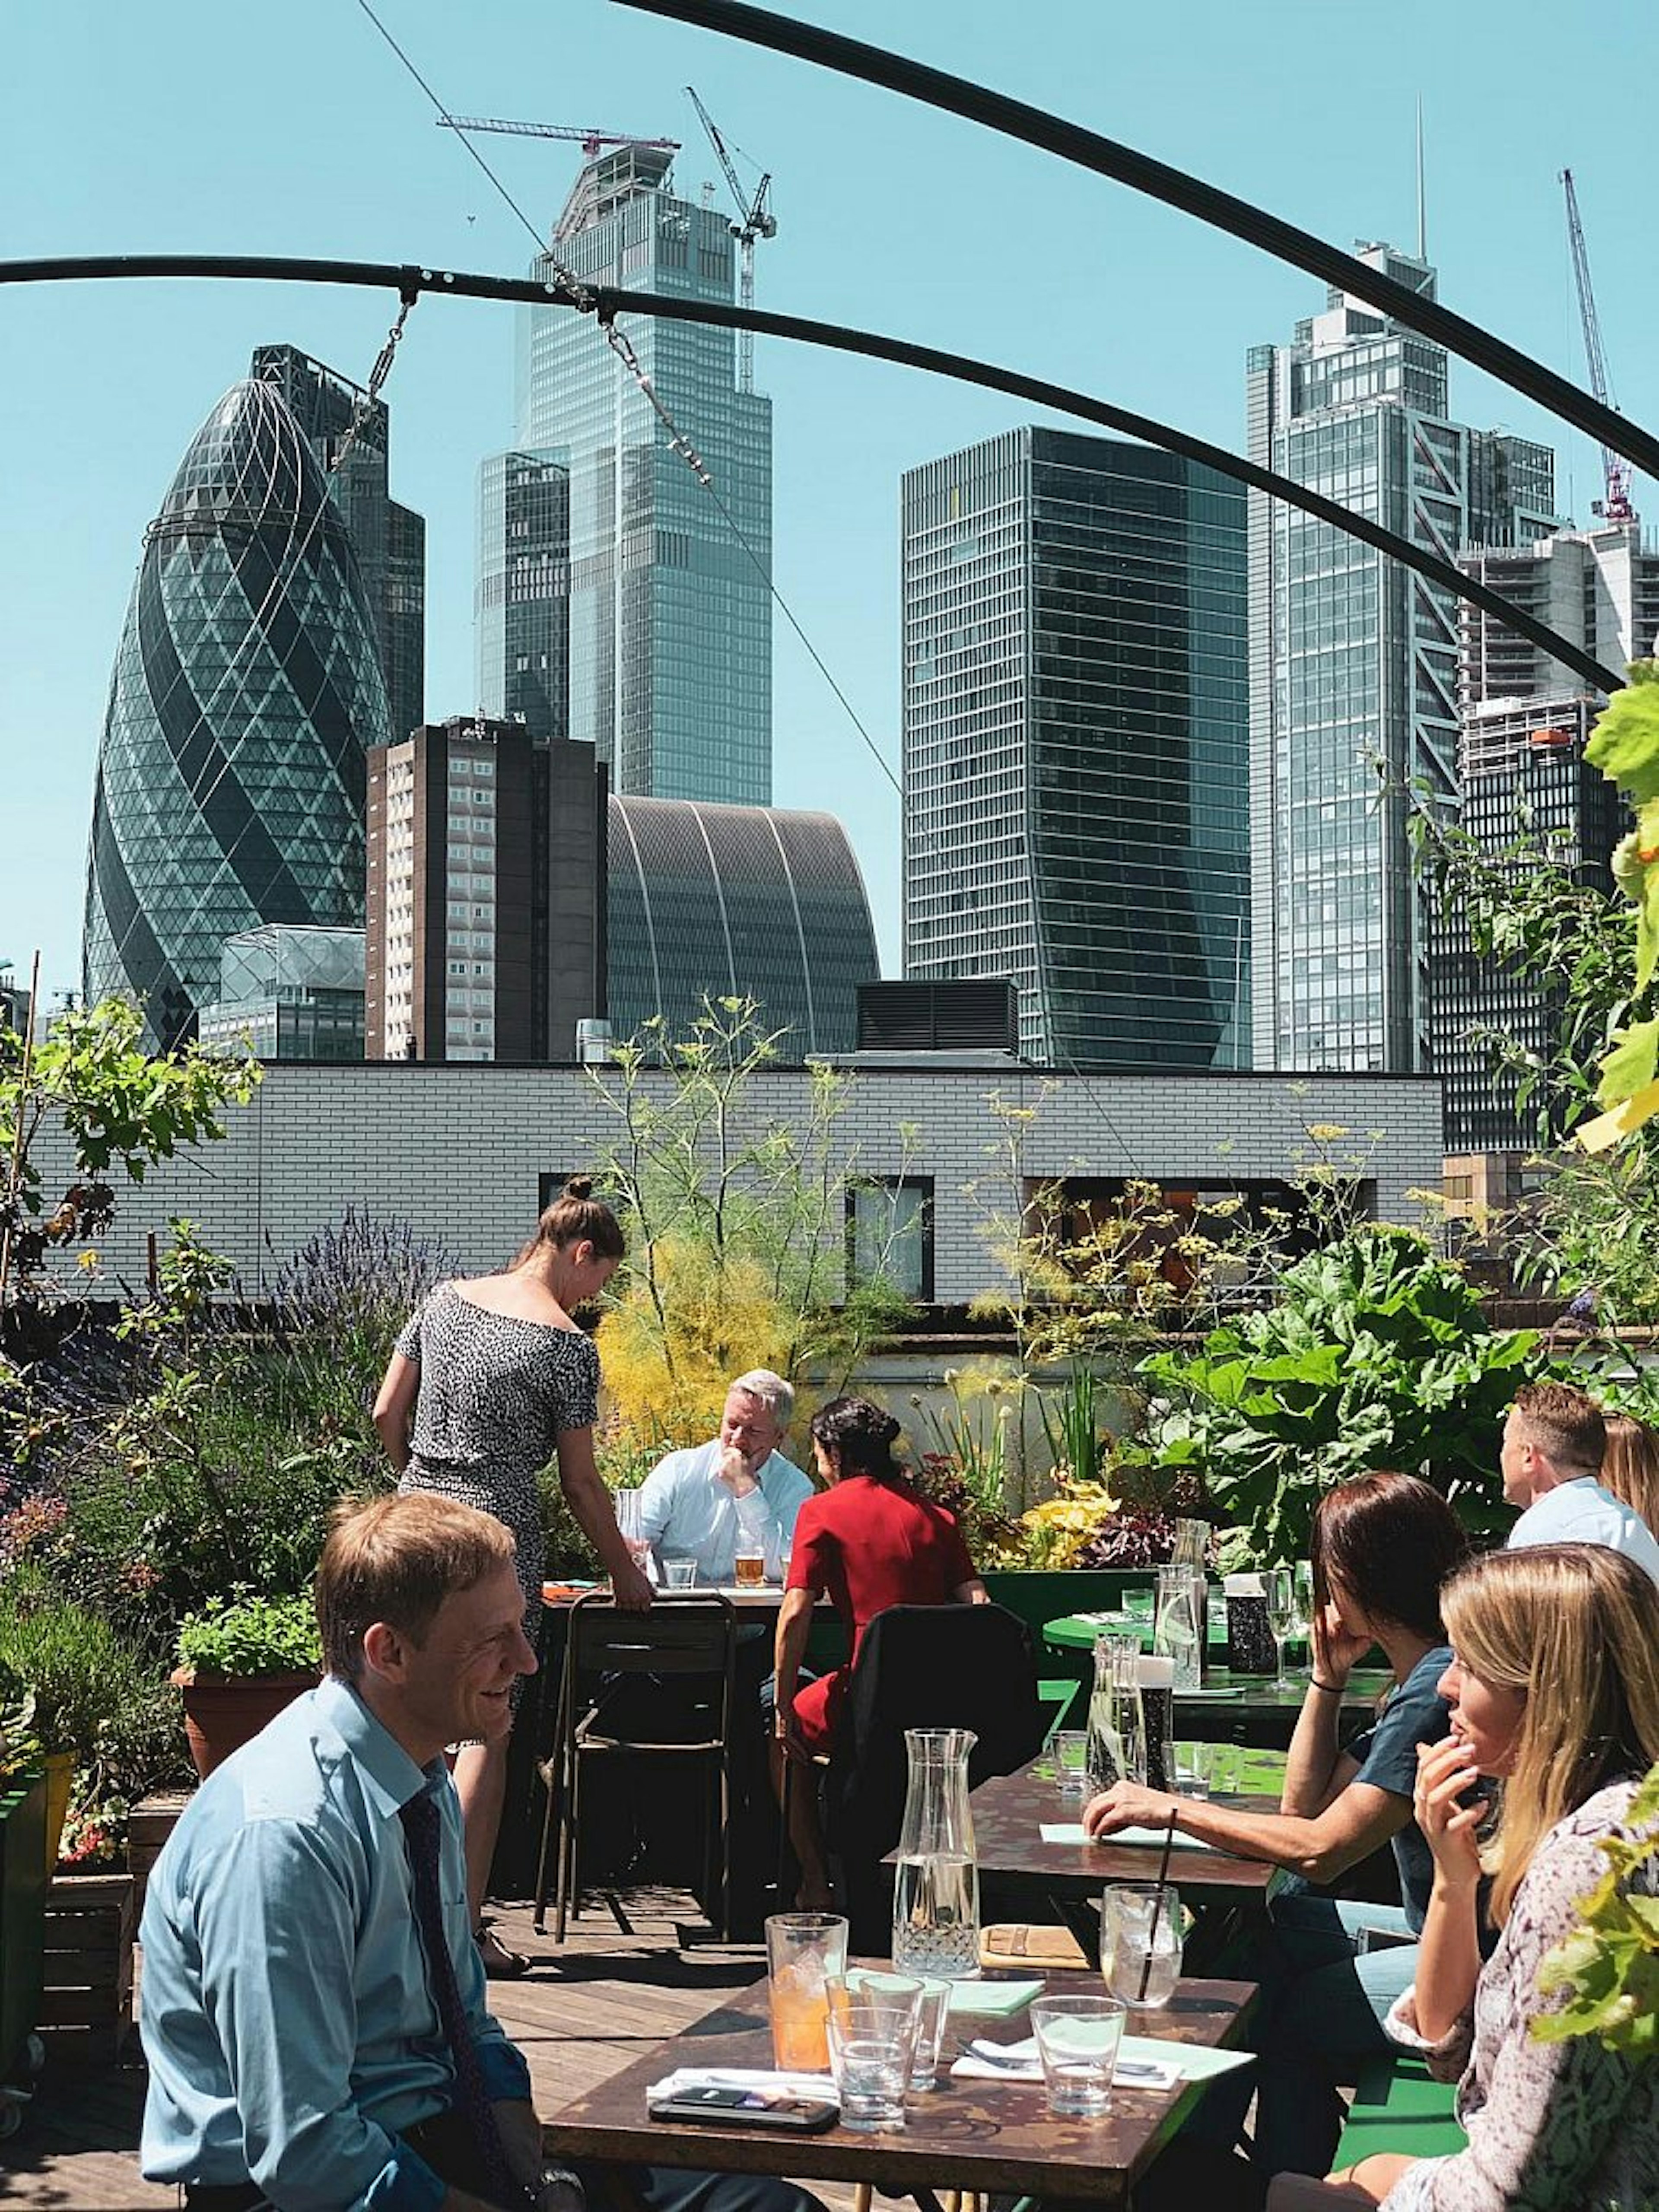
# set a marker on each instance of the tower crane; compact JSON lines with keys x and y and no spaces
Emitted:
{"x":755,"y":219}
{"x":1614,"y":504}
{"x":587,"y":136}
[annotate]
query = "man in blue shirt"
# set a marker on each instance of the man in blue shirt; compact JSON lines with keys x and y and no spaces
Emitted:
{"x":310,"y":2046}
{"x":1554,"y":1438}
{"x":738,"y":1489}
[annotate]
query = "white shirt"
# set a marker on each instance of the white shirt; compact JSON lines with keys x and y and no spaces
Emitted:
{"x":1582,"y":1512}
{"x":686,"y":1512}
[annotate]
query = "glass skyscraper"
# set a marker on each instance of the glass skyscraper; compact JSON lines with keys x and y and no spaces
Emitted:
{"x":248,"y":685}
{"x":1075,"y":744}
{"x":746,"y":901}
{"x":389,"y":539}
{"x":671,"y":633}
{"x":522,"y":600}
{"x":1353,"y":670}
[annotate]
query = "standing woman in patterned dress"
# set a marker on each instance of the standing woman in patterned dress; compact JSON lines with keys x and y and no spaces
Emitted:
{"x":490,"y":1378}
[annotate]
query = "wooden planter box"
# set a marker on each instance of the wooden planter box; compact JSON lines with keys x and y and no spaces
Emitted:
{"x":86,"y":2007}
{"x":150,"y":1824}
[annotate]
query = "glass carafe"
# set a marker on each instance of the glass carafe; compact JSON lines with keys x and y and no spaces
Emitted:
{"x":1179,"y":1623}
{"x":1115,"y":1750}
{"x":936,"y":1895}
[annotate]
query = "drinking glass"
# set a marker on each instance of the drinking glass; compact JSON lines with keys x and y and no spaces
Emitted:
{"x":806,"y":1952}
{"x":873,"y":2043}
{"x":1279,"y":1587}
{"x":679,"y":1574}
{"x":1194,"y":1768}
{"x":751,"y":1566}
{"x":1070,"y":1749}
{"x":932,"y":1996}
{"x":630,"y":1526}
{"x":1140,"y":1941}
{"x":1301,"y":1581}
{"x":1078,"y":2039}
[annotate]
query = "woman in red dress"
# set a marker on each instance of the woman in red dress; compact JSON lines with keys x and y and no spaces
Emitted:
{"x":870,"y":1539}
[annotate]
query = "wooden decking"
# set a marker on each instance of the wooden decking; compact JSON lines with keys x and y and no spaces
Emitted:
{"x":581,"y":2016}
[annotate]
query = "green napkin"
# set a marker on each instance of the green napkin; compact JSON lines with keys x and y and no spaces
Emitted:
{"x":992,"y":2000}
{"x":1195,"y":2062}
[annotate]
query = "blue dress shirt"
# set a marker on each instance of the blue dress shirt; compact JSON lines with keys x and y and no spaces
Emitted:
{"x":285,"y":2010}
{"x":687,"y":1512}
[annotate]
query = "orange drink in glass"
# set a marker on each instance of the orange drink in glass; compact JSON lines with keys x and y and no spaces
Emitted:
{"x":806,"y":1952}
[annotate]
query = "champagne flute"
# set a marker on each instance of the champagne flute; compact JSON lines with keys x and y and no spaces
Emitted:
{"x":1279,"y":1587}
{"x":1302,"y":1582}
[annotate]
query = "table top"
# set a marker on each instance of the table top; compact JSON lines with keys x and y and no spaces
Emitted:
{"x":741,"y":1597}
{"x":1009,"y":1811}
{"x":990,"y":2135}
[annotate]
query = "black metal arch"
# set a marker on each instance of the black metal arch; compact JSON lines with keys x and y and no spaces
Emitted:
{"x":411,"y":283}
{"x":1108,"y":157}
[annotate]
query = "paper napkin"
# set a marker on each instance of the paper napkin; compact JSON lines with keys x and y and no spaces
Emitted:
{"x":1071,"y":1832}
{"x":992,"y":2000}
{"x":1144,"y":2062}
{"x":818,"y":2089}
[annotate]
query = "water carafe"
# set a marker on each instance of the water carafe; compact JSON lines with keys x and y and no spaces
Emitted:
{"x":936,"y":1895}
{"x":1179,"y":1623}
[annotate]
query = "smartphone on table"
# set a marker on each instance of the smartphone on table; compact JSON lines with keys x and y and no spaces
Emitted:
{"x":717,"y":2106}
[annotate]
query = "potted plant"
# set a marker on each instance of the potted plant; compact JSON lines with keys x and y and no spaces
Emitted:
{"x":240,"y":1662}
{"x":76,"y":1671}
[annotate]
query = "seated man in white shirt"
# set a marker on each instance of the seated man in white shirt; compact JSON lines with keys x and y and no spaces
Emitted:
{"x":700,"y":1503}
{"x":1553,"y":1440}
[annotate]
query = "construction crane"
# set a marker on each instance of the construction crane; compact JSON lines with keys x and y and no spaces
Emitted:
{"x":585,"y":136}
{"x":755,"y":219}
{"x":1614,"y":504}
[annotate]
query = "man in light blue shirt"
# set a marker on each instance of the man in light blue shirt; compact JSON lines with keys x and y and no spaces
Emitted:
{"x":306,"y":2048}
{"x":737,"y":1489}
{"x":1555,"y":1439}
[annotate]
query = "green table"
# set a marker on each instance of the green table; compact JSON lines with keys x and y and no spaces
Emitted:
{"x":1230,"y":1708}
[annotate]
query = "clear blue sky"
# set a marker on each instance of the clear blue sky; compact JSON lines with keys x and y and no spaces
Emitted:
{"x":199,"y":128}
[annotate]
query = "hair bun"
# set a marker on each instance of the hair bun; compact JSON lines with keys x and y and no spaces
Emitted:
{"x":580,"y":1188}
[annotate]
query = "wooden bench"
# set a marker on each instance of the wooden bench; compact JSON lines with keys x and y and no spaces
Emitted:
{"x":1398,"y":2106}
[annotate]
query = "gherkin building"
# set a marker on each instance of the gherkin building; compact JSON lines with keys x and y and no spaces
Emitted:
{"x":248,"y":687}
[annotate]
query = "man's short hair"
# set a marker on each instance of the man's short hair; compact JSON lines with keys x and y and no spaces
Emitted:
{"x":1563,"y":1423}
{"x":774,"y":1393}
{"x":396,"y":1560}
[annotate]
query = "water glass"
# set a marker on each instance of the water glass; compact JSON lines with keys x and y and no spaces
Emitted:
{"x":1278,"y":1587}
{"x":806,"y":1952}
{"x":873,"y":2043}
{"x":1194,"y":1768}
{"x":679,"y":1574}
{"x":1140,"y":1941}
{"x":1078,"y":2039}
{"x":932,"y":1996}
{"x":1137,"y":1605}
{"x":1069,"y":1748}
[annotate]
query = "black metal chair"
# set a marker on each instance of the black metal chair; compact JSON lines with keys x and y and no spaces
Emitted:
{"x":685,"y":1639}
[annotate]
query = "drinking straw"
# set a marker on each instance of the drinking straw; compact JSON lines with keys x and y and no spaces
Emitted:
{"x":1158,"y":1900}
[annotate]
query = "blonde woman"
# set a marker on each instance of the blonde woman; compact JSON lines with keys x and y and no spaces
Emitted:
{"x":492,"y":1378}
{"x":1554,"y":1692}
{"x":1630,"y":1466}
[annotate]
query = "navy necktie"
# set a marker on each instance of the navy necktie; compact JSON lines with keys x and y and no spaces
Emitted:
{"x":423,"y":1828}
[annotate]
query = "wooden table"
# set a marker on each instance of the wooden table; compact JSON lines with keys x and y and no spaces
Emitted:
{"x":1009,"y":1813}
{"x":995,"y":2137}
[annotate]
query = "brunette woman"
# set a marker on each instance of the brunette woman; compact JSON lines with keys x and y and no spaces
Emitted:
{"x":497,"y":1378}
{"x":1381,"y":1546}
{"x":1630,"y":1466}
{"x":1554,"y":1695}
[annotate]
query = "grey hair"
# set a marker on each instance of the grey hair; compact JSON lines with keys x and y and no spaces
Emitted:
{"x":774,"y":1393}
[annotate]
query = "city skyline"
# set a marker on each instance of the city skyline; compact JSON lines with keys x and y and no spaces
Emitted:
{"x":141,"y":361}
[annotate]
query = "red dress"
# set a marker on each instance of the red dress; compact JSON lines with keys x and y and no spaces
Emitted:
{"x":870,"y":1545}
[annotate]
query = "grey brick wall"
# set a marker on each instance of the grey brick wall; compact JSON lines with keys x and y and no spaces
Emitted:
{"x":458,"y":1151}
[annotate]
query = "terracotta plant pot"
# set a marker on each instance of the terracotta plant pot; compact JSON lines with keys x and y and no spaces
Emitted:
{"x":224,"y":1711}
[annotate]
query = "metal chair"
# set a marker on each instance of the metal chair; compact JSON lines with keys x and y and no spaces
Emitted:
{"x":683,"y":1638}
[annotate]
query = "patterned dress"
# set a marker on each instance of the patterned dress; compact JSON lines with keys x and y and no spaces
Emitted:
{"x":494,"y":1392}
{"x":1552,"y":2127}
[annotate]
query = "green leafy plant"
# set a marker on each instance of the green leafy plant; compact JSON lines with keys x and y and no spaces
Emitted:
{"x":76,"y":1670}
{"x":22,"y":1752}
{"x":247,"y":1636}
{"x":1375,"y":1353}
{"x":1607,"y":1970}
